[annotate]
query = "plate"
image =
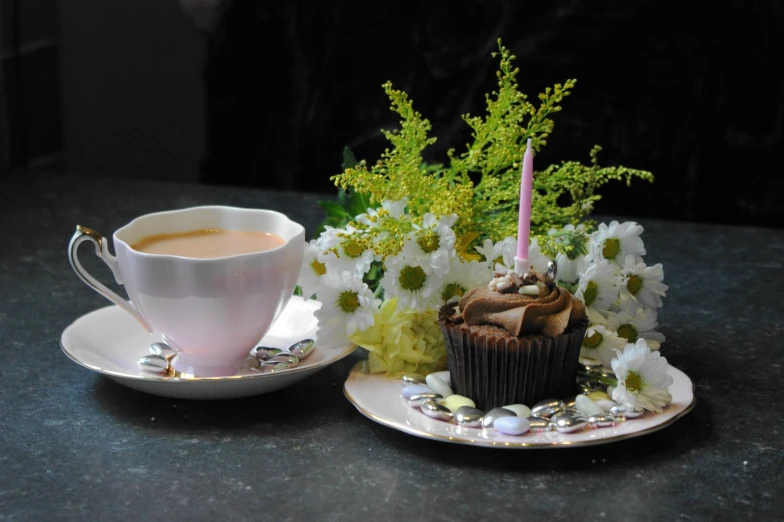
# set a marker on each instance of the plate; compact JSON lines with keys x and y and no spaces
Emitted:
{"x":378,"y":398}
{"x":109,"y":341}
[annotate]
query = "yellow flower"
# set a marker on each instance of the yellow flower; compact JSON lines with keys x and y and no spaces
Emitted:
{"x":403,"y":341}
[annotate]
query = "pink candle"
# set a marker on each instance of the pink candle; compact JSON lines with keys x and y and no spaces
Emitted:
{"x":524,"y":224}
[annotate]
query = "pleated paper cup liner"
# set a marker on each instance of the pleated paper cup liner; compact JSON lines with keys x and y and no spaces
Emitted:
{"x":496,"y":371}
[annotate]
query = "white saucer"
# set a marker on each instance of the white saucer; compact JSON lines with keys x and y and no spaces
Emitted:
{"x":378,"y":398}
{"x":110,"y":341}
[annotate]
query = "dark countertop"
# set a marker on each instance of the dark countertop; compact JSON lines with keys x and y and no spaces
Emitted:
{"x":76,"y":445}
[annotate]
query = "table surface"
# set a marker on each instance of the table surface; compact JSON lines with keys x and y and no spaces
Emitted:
{"x":76,"y":445}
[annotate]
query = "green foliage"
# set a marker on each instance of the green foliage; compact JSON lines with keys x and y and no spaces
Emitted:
{"x":480,"y":185}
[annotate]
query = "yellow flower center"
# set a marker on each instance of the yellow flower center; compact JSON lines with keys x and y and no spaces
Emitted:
{"x":628,"y":332}
{"x":352,"y":249}
{"x":611,"y":247}
{"x":590,"y":293}
{"x":593,"y":340}
{"x":634,"y":284}
{"x":412,"y":278}
{"x":428,"y":241}
{"x":452,"y":290}
{"x":318,"y":267}
{"x":633,"y":381}
{"x":348,"y":301}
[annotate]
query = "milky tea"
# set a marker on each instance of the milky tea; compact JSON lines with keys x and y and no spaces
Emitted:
{"x":208,"y":243}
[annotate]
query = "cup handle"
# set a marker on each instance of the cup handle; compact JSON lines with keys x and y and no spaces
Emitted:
{"x":83,"y":234}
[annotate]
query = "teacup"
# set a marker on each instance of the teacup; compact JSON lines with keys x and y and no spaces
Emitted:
{"x":211,"y":311}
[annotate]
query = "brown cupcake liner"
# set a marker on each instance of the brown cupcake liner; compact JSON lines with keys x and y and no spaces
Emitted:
{"x":497,"y":371}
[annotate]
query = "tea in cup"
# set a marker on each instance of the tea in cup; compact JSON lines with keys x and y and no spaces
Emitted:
{"x":211,"y":280}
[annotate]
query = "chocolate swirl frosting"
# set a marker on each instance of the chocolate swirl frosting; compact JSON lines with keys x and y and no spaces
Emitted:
{"x":549,"y":314}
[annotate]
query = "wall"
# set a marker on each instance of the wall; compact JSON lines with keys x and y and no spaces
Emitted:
{"x":131,"y":88}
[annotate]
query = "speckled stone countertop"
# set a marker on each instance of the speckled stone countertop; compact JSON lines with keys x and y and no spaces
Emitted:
{"x":77,"y":446}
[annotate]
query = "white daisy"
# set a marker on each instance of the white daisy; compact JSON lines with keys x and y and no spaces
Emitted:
{"x":642,"y":378}
{"x":536,"y":259}
{"x":347,"y":256}
{"x":312,"y":271}
{"x":395,"y":209}
{"x":598,"y":287}
{"x":600,"y":344}
{"x":616,"y":241}
{"x":633,"y":322}
{"x":569,"y":270}
{"x":644,"y":282}
{"x":501,"y":253}
{"x":570,"y":267}
{"x":461,"y":277}
{"x":347,"y":305}
{"x":433,"y":242}
{"x":329,"y":238}
{"x":414,"y":283}
{"x":595,"y":317}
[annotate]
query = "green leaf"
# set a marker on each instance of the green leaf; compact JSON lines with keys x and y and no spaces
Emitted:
{"x":349,"y":160}
{"x":333,"y":209}
{"x":358,"y":203}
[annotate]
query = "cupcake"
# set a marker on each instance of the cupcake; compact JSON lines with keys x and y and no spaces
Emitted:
{"x":515,"y":341}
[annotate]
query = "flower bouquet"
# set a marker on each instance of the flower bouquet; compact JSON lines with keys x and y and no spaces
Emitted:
{"x":407,"y":237}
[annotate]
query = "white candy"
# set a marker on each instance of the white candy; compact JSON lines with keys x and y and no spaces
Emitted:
{"x":444,"y":376}
{"x":512,"y":425}
{"x":587,"y":407}
{"x":521,"y":410}
{"x":605,"y":404}
{"x":438,"y":385}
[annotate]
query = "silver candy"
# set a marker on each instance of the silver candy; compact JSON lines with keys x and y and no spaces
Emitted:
{"x":540,"y":424}
{"x":251,"y":363}
{"x":587,"y":387}
{"x":547,"y":408}
{"x":163,"y":350}
{"x":469,"y":417}
{"x":289,"y":359}
{"x":273,"y":367}
{"x":265,"y":353}
{"x":601,"y":372}
{"x":589,"y":366}
{"x":303,"y":348}
{"x":414,"y":379}
{"x":570,"y":401}
{"x":600,"y":421}
{"x":418,"y":398}
{"x":566,"y":423}
{"x":154,"y":363}
{"x":620,"y":411}
{"x":496,"y":413}
{"x":552,"y":273}
{"x":436,"y":411}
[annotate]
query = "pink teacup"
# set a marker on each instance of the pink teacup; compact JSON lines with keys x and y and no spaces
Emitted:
{"x":211,"y":311}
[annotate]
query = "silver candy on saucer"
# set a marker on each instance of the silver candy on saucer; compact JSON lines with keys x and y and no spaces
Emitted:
{"x":469,"y":417}
{"x":263,"y":359}
{"x":437,"y":411}
{"x":547,"y":408}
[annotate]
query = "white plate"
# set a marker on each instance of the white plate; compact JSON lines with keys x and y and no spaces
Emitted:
{"x":110,"y":341}
{"x":378,"y":398}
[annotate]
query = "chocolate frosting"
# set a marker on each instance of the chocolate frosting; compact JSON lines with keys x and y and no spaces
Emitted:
{"x":549,"y":314}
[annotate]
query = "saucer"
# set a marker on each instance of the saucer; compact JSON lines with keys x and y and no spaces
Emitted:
{"x":109,"y":341}
{"x":378,"y":398}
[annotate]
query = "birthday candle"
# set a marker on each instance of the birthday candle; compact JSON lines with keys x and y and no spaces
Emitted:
{"x":524,"y":223}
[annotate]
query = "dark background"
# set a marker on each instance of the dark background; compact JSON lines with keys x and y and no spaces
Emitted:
{"x":267,"y":94}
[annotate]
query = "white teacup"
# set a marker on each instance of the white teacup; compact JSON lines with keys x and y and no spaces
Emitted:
{"x":211,"y":311}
